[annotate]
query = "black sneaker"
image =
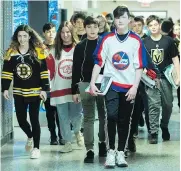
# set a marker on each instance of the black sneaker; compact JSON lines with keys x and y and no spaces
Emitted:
{"x":90,"y":157}
{"x":153,"y":138}
{"x":132,"y":145}
{"x":102,"y":149}
{"x":165,"y":134}
{"x":53,"y":141}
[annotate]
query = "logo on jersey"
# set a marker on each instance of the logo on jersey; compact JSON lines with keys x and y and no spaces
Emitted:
{"x":24,"y":71}
{"x":65,"y":69}
{"x":157,"y":56}
{"x":120,"y":60}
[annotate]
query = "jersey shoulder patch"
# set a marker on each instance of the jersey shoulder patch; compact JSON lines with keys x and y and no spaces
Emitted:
{"x":40,"y":53}
{"x":9,"y":53}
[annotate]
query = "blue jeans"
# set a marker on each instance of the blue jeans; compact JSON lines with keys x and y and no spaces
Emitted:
{"x":69,"y":113}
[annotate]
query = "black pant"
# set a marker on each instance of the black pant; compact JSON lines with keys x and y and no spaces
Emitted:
{"x":141,"y":104}
{"x":21,"y":105}
{"x":119,"y":113}
{"x":52,"y":118}
{"x":136,"y":114}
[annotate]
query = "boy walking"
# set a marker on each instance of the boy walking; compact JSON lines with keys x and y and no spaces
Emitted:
{"x":49,"y":32}
{"x":83,"y":64}
{"x":123,"y":54}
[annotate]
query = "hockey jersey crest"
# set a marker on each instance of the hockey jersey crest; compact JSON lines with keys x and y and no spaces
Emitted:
{"x":29,"y":76}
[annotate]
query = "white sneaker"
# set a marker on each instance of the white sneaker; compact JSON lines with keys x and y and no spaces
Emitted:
{"x":120,"y":159}
{"x":80,"y":139}
{"x":66,"y":148}
{"x":29,"y":144}
{"x":35,"y":153}
{"x":110,"y":159}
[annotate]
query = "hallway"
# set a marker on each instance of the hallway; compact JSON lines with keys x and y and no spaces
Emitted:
{"x":161,"y":157}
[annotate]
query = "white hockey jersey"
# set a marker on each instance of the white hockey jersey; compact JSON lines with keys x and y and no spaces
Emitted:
{"x":121,"y":59}
{"x":61,"y":78}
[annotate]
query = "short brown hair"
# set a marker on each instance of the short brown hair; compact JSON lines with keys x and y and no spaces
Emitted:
{"x":120,"y":10}
{"x":151,"y":18}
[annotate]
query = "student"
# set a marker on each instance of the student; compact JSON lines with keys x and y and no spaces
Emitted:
{"x":138,"y":27}
{"x":163,"y":53}
{"x":25,"y":64}
{"x":83,"y":64}
{"x":123,"y":55}
{"x":49,"y":33}
{"x":78,"y":21}
{"x":169,"y":29}
{"x":103,"y":25}
{"x":60,"y":65}
{"x":137,"y":117}
{"x":79,"y":34}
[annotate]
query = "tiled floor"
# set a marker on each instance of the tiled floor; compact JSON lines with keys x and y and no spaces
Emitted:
{"x":161,"y":157}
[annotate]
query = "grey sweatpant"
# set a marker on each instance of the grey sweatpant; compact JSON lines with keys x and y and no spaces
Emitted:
{"x":88,"y":104}
{"x":158,"y":99}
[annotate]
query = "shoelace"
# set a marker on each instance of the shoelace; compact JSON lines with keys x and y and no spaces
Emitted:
{"x":22,"y":57}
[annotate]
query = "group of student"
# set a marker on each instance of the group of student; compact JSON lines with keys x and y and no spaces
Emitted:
{"x":60,"y":68}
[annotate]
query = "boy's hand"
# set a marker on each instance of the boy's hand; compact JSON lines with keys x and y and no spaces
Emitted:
{"x":131,"y":94}
{"x":94,"y":90}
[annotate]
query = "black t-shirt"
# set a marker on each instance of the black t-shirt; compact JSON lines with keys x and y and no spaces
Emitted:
{"x":161,"y":51}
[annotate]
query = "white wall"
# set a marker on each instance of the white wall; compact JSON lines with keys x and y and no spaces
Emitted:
{"x":68,"y":5}
{"x":172,"y":7}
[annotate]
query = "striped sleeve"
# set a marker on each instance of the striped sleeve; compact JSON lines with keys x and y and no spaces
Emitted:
{"x":7,"y":74}
{"x":100,"y":53}
{"x":44,"y":76}
{"x":140,"y":55}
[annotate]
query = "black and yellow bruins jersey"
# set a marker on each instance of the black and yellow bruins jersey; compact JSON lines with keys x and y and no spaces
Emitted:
{"x":29,"y":76}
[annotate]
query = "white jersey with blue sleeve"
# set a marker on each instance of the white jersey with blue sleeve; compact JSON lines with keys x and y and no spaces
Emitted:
{"x":121,"y":58}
